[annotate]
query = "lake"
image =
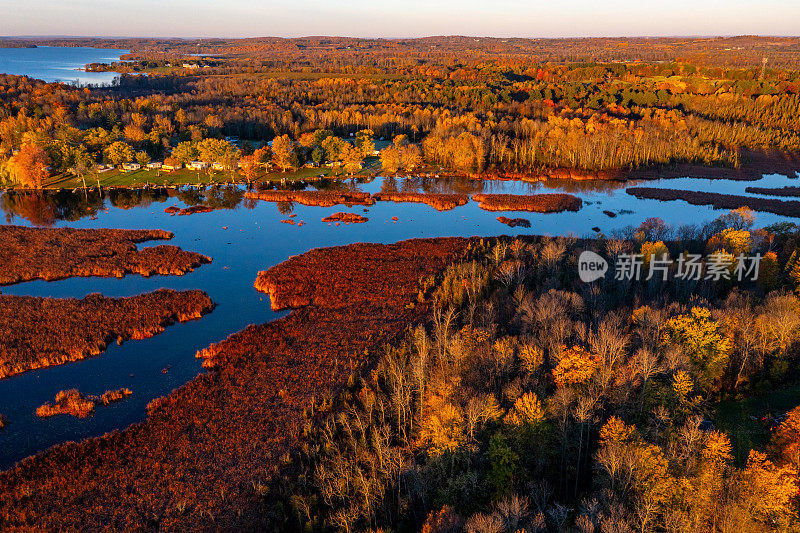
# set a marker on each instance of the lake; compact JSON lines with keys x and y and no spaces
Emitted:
{"x":245,"y":236}
{"x":57,"y":63}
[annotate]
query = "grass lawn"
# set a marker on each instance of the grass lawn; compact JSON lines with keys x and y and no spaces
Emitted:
{"x":734,"y":417}
{"x":139,"y":178}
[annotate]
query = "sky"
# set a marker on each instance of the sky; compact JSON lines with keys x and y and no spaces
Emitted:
{"x":409,"y":18}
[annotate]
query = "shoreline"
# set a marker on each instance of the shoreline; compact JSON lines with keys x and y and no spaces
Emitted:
{"x":199,"y":441}
{"x":755,"y":164}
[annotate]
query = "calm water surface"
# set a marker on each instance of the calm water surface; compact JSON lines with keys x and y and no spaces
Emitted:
{"x":59,"y":63}
{"x":244,"y":237}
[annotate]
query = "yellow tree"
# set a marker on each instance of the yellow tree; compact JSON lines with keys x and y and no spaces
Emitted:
{"x":119,"y":152}
{"x":786,"y":439}
{"x":442,"y":427}
{"x":352,"y":158}
{"x":282,"y":148}
{"x":249,"y":167}
{"x":390,"y":159}
{"x":365,"y":142}
{"x":575,"y":367}
{"x":705,"y":341}
{"x":766,"y":491}
{"x":528,"y":410}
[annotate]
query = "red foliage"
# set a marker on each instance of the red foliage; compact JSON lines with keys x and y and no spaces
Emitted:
{"x":514,"y":222}
{"x":790,"y":208}
{"x":316,"y":198}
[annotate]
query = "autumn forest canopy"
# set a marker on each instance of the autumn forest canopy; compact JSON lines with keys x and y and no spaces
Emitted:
{"x":462,"y":105}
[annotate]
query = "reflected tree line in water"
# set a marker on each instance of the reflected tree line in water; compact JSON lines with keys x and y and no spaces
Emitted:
{"x":47,"y":207}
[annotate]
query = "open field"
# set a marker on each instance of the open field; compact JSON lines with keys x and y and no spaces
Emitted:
{"x":742,"y":419}
{"x":142,"y":178}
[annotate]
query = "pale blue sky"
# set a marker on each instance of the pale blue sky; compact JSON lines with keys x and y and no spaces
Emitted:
{"x":409,"y":18}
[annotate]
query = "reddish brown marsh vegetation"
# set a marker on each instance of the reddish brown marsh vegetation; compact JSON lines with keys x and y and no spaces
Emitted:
{"x":775,"y":191}
{"x":201,"y":457}
{"x":314,"y":198}
{"x":56,"y":253}
{"x":68,"y":402}
{"x":440,"y":202}
{"x":41,"y":332}
{"x":514,"y":222}
{"x":72,"y":402}
{"x":538,"y":203}
{"x":719,"y":201}
{"x":346,"y":217}
{"x":175,"y":210}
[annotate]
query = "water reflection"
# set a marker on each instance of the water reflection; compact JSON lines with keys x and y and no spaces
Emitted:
{"x":45,"y":208}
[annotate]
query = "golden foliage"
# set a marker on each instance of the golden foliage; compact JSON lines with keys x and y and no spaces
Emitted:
{"x":442,"y":428}
{"x":738,"y":241}
{"x":615,"y":431}
{"x":717,"y":447}
{"x":767,"y":490}
{"x":705,"y":341}
{"x":575,"y":366}
{"x":650,"y":250}
{"x":528,"y":409}
{"x":682,"y":385}
{"x":531,"y":357}
{"x":786,"y":439}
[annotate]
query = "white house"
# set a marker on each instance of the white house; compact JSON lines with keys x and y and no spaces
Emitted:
{"x":104,"y":168}
{"x":154,"y":165}
{"x":198,"y":165}
{"x":169,"y":167}
{"x":217,"y":166}
{"x":130,"y":167}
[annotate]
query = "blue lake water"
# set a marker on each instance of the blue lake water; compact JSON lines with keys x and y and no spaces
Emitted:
{"x":59,"y":63}
{"x":247,"y":237}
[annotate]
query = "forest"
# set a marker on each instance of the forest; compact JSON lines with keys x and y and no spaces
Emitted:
{"x":257,"y":107}
{"x":535,"y":402}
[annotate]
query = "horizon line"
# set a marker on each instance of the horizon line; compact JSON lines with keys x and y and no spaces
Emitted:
{"x":397,"y":38}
